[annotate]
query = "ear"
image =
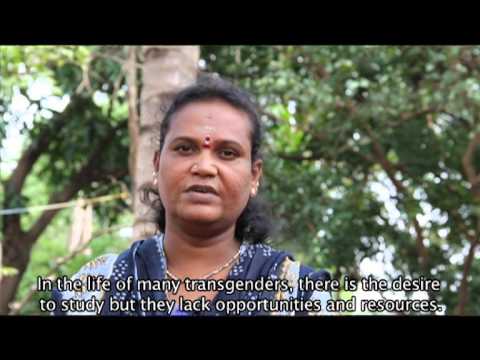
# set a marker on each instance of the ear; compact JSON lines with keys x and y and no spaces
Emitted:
{"x":257,"y":170}
{"x":156,"y":161}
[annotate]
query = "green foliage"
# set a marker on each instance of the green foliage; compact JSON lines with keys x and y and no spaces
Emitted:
{"x":330,"y":109}
{"x":53,"y":246}
{"x":331,"y":114}
{"x":89,"y":129}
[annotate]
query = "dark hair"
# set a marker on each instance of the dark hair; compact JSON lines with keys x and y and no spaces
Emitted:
{"x":254,"y":223}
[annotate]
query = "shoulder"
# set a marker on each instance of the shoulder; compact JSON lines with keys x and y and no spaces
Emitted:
{"x":109,"y":266}
{"x":101,"y":266}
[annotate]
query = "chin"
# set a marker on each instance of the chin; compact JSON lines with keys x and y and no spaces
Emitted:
{"x":201,"y":214}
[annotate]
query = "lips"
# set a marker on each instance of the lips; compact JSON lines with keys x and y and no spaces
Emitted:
{"x":203,"y":189}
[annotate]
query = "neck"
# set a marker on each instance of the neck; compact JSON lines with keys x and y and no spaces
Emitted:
{"x":191,"y":255}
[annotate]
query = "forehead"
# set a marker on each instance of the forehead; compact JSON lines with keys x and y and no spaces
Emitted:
{"x":216,"y":118}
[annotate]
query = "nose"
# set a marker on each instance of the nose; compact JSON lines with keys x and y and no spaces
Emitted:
{"x":204,"y":166}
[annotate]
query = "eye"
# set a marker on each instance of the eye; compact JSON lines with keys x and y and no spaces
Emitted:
{"x":228,"y":154}
{"x":184,"y":149}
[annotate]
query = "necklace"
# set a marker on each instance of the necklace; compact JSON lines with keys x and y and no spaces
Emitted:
{"x":212,"y":273}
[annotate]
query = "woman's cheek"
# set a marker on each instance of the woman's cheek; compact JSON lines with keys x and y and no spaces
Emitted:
{"x":171,"y":175}
{"x":166,"y":189}
{"x":239,"y":189}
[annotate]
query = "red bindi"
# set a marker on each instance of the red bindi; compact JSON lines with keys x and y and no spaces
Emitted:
{"x":206,"y":142}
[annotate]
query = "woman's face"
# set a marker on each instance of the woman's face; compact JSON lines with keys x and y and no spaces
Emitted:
{"x":208,"y":148}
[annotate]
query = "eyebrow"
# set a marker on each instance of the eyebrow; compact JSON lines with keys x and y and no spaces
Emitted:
{"x":193,"y":140}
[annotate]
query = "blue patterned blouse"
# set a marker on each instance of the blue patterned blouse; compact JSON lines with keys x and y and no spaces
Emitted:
{"x":146,"y":259}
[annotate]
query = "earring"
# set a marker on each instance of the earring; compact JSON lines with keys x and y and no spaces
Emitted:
{"x":255,"y":189}
{"x":154,"y":174}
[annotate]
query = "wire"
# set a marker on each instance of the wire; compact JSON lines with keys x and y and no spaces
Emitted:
{"x":63,"y":205}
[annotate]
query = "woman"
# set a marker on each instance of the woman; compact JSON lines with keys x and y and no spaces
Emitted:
{"x":211,"y":225}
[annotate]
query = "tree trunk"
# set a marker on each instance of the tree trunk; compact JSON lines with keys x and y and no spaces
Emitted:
{"x":17,"y":243}
{"x":166,"y":70}
{"x":1,"y":264}
{"x":16,"y":255}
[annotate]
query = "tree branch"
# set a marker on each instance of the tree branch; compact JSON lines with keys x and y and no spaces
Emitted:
{"x":463,"y":291}
{"x":416,"y":114}
{"x":474,"y":180}
{"x":390,"y":170}
{"x":468,"y":167}
{"x":16,"y":307}
{"x":37,"y":102}
{"x":85,"y":83}
{"x":39,"y":145}
{"x":114,"y":95}
{"x":84,"y":176}
{"x":14,"y":184}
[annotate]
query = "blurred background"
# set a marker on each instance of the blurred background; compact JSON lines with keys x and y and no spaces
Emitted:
{"x":372,"y":161}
